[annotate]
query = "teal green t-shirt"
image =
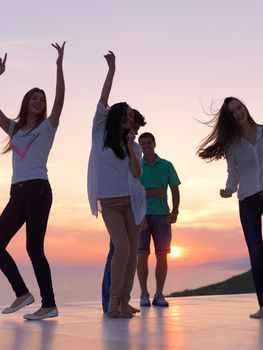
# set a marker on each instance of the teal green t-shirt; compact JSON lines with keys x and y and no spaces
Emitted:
{"x":159,"y":174}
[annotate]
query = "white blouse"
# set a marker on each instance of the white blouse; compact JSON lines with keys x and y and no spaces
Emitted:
{"x":109,"y":176}
{"x":245,"y":166}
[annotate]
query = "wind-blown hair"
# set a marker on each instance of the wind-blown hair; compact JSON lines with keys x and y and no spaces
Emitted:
{"x":225,"y":132}
{"x":23,"y":113}
{"x":138,"y":117}
{"x":113,"y":132}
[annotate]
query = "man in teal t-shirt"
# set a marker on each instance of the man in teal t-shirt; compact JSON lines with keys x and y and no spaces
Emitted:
{"x":157,"y":175}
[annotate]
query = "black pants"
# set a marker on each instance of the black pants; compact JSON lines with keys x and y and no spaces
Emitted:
{"x":251,"y":210}
{"x":29,"y":203}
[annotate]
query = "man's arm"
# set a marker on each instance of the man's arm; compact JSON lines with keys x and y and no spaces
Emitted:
{"x":176,"y":201}
{"x":156,"y":192}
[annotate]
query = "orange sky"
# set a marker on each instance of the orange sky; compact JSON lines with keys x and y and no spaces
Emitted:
{"x":87,"y":243}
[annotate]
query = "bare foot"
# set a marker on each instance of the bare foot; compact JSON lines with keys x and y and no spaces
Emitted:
{"x":125,"y":310}
{"x":258,"y":314}
{"x":133,"y":310}
{"x":113,"y":308}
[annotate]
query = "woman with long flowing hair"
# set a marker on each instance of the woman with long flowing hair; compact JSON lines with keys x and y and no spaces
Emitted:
{"x":31,"y":137}
{"x":114,"y":186}
{"x":238,"y":138}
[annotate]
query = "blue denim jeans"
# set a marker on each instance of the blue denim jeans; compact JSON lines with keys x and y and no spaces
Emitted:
{"x":250,"y":211}
{"x":106,"y":282}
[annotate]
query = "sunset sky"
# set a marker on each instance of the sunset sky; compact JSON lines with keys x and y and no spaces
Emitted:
{"x":174,"y":58}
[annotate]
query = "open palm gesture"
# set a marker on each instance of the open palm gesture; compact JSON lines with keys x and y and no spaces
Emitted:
{"x":2,"y":64}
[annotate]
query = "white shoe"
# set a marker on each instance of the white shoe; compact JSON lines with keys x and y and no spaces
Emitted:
{"x":48,"y":314}
{"x":27,"y":301}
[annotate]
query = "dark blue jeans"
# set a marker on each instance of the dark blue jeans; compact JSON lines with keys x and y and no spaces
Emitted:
{"x":29,"y":203}
{"x":106,"y":282}
{"x":251,"y":210}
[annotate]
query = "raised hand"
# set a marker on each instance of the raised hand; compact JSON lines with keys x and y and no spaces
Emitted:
{"x":106,"y":89}
{"x":60,"y":87}
{"x":110,"y":58}
{"x":60,"y":50}
{"x":2,"y":64}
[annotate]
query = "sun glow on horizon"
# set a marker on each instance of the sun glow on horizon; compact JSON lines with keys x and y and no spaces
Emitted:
{"x":176,"y":252}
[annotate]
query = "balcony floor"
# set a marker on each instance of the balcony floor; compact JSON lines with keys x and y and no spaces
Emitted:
{"x":212,"y":322}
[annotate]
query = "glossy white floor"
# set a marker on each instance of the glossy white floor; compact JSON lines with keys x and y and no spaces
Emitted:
{"x":214,"y":322}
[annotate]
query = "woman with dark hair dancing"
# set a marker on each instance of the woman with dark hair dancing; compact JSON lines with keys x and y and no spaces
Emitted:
{"x":238,"y":138}
{"x":113,"y":180}
{"x":31,"y":138}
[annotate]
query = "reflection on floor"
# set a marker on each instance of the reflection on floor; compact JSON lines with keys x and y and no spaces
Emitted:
{"x":203,"y":323}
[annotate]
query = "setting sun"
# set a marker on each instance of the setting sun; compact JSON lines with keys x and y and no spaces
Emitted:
{"x":176,"y":252}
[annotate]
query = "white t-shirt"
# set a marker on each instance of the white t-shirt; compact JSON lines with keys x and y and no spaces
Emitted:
{"x":31,"y":150}
{"x":245,"y":166}
{"x":109,"y":176}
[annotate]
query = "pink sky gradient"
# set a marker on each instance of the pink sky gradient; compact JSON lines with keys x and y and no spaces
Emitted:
{"x":173,"y":59}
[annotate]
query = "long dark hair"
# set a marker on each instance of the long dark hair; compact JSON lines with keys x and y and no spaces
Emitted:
{"x":113,"y":135}
{"x":225,"y":132}
{"x":23,"y":113}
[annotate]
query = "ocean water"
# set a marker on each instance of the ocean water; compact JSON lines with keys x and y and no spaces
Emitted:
{"x":83,"y":283}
